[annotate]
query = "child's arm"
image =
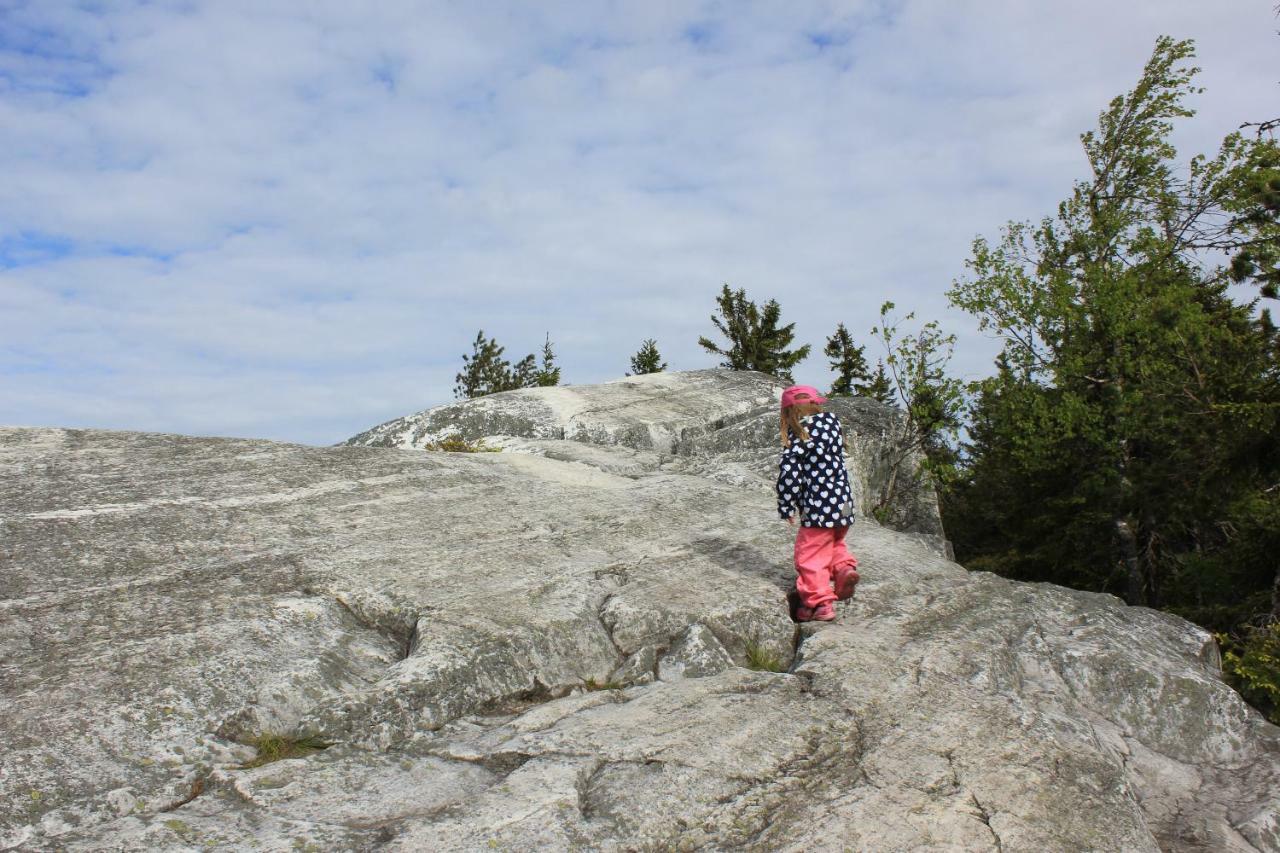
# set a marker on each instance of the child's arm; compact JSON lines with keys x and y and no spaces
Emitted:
{"x":788,"y":486}
{"x":837,"y":436}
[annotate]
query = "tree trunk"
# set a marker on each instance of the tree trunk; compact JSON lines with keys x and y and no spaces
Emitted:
{"x":1275,"y":597}
{"x":1127,"y":541}
{"x":1151,"y":563}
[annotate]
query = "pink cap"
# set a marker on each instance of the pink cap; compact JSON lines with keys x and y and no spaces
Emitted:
{"x":801,"y":394}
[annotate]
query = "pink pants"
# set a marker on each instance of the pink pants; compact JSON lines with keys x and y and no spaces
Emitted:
{"x":819,"y":552}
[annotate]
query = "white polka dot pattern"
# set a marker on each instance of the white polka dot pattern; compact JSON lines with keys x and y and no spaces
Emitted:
{"x":812,"y":476}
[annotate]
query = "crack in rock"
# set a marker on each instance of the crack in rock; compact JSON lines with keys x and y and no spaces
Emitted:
{"x":981,"y":813}
{"x":197,"y":788}
{"x":985,"y":816}
{"x":584,"y":786}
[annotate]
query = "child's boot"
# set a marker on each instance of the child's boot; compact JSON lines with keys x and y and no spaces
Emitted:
{"x":846,"y":578}
{"x":824,"y":612}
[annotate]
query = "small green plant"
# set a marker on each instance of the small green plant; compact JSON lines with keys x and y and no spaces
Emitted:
{"x":882,"y":514}
{"x":593,"y":685}
{"x":275,"y":747}
{"x":1252,"y":666}
{"x":457,"y":444}
{"x":761,"y":659}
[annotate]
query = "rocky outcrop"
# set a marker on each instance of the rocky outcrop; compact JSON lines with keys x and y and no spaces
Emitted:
{"x":718,"y":424}
{"x":514,"y":651}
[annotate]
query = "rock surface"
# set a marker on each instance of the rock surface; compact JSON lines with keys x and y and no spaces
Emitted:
{"x":520,"y":651}
{"x":718,"y":424}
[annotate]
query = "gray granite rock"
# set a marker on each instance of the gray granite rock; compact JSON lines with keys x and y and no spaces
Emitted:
{"x":696,"y":654}
{"x":549,"y":651}
{"x":718,"y":424}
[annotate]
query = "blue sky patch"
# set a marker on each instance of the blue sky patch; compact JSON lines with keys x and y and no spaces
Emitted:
{"x":27,"y":248}
{"x":701,"y":34}
{"x":42,"y":60}
{"x":386,"y":73}
{"x":30,"y":248}
{"x":829,"y":38}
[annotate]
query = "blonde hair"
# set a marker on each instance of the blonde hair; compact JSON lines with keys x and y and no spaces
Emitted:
{"x":791,"y":416}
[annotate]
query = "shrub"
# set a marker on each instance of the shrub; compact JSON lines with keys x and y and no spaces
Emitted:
{"x":457,"y":444}
{"x":1252,"y":666}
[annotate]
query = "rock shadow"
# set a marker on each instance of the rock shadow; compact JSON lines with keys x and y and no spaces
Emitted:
{"x":737,"y":557}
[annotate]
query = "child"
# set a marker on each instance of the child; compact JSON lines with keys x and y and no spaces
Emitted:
{"x":813,"y":479}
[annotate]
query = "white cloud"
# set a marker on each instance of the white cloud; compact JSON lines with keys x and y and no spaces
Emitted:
{"x":289,"y":220}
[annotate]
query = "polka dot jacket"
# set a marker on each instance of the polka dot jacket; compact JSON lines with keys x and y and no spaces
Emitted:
{"x":812,"y":476}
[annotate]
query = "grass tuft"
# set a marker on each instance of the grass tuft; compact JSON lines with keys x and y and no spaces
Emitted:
{"x":592,"y":684}
{"x":274,"y":747}
{"x":761,"y":659}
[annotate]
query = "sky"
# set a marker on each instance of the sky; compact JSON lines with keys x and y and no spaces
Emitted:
{"x":289,"y":220}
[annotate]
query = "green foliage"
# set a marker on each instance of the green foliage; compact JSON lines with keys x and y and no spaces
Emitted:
{"x":1251,"y":664}
{"x":277,"y":747}
{"x":548,"y":374}
{"x":1231,"y":583}
{"x":647,"y":359}
{"x":485,"y":371}
{"x":882,"y":514}
{"x":850,"y":364}
{"x":761,"y":659}
{"x":592,"y":685}
{"x":932,"y":401}
{"x":458,"y":444}
{"x":756,"y":341}
{"x":879,"y":387}
{"x":1124,"y":443}
{"x":1251,"y":231}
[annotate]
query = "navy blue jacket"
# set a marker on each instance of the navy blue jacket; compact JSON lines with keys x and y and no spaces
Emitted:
{"x":812,"y":476}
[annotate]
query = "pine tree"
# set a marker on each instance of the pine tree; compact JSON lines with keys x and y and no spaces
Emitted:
{"x":524,"y":374}
{"x":756,"y":341}
{"x":647,"y":359}
{"x":740,"y":322}
{"x":850,"y":364}
{"x":485,"y":371}
{"x":549,"y":373}
{"x":879,"y":388}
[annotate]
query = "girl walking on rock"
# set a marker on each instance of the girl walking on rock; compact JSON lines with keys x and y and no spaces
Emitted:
{"x":812,"y":481}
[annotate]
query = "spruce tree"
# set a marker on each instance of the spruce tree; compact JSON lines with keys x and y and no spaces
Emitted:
{"x":647,"y":359}
{"x":879,"y":388}
{"x":756,"y":341}
{"x":850,"y":364}
{"x":549,"y":373}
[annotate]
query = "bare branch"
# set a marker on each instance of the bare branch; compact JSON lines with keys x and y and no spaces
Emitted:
{"x":1267,"y":127}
